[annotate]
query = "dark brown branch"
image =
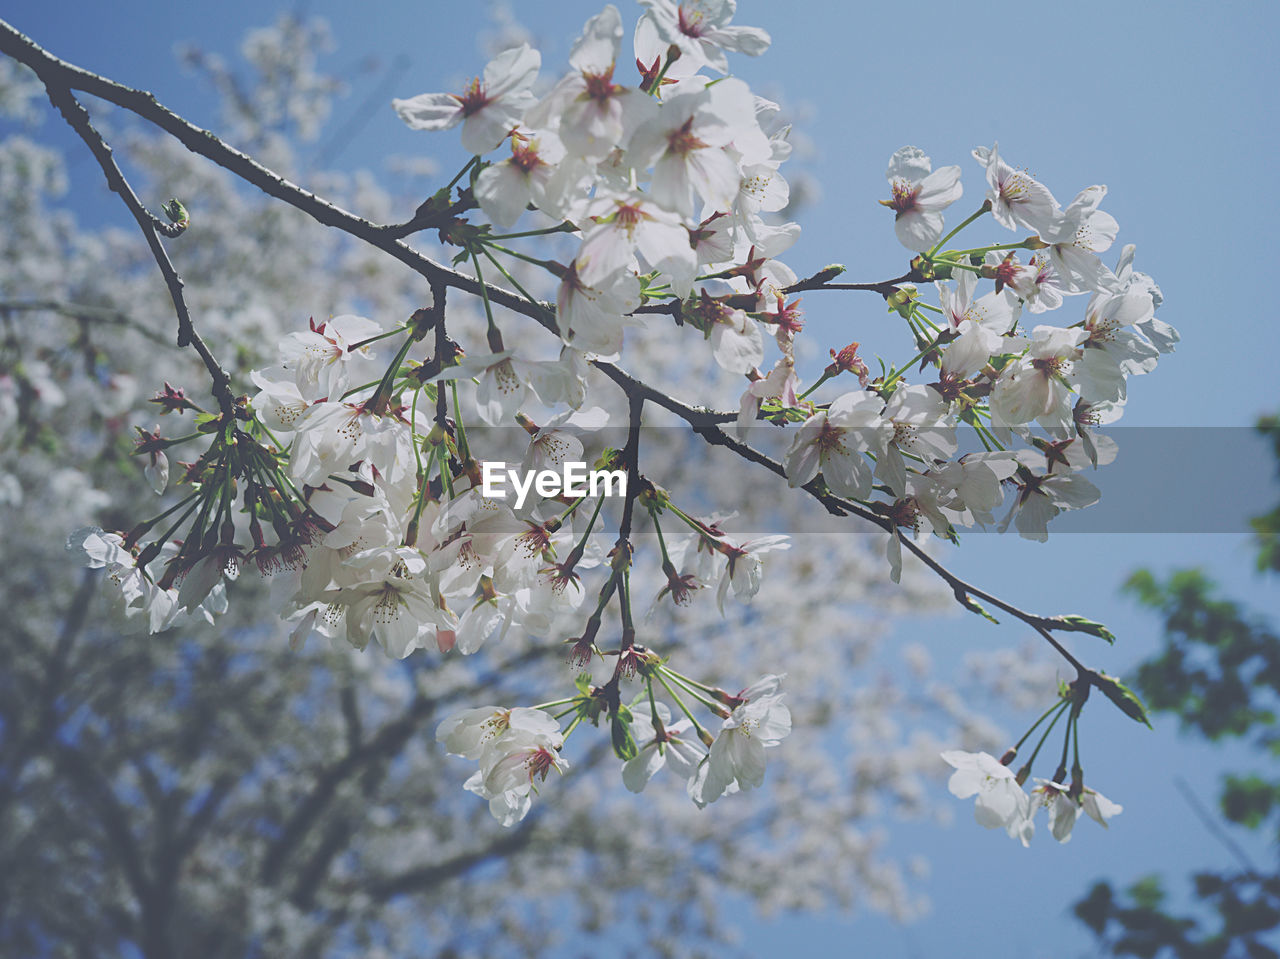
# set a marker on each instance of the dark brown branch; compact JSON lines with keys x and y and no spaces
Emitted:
{"x":707,"y":428}
{"x":57,"y":73}
{"x":50,"y":69}
{"x":886,"y":288}
{"x":78,"y":118}
{"x":631,"y":456}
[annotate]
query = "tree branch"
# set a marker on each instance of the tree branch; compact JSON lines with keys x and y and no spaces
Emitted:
{"x":78,"y":117}
{"x":57,"y":73}
{"x":80,"y":311}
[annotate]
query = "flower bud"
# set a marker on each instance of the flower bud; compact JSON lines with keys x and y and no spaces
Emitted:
{"x":901,"y":300}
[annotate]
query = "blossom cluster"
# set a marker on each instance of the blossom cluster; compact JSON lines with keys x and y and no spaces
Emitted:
{"x":1003,"y":804}
{"x":990,"y":373}
{"x":359,"y":489}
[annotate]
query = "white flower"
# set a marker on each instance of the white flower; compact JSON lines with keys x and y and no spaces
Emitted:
{"x":745,"y":568}
{"x":508,"y":768}
{"x":701,"y":30}
{"x":321,"y":358}
{"x":1076,"y":237}
{"x":1017,"y":199}
{"x":591,"y":318}
{"x":921,"y":426}
{"x":470,"y":732}
{"x":1001,"y":801}
{"x":491,"y":107}
{"x":627,"y":222}
{"x":1041,"y":498}
{"x":918,"y":195}
{"x":1111,"y":351}
{"x":833,"y":441}
{"x":1037,"y":385}
{"x":279,"y":402}
{"x":386,"y":594}
{"x":593,"y":114}
{"x":331,"y":437}
{"x":1098,"y":807}
{"x":685,"y":144}
{"x":1063,"y":810}
{"x":737,"y":758}
{"x":669,"y":748}
{"x":504,"y":189}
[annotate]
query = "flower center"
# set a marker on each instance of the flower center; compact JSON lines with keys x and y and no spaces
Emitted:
{"x":682,"y":141}
{"x":903,"y":198}
{"x":690,"y":22}
{"x":830,"y":439}
{"x":600,"y":86}
{"x":474,"y":99}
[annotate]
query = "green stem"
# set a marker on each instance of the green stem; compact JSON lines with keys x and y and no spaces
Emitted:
{"x":494,"y":335}
{"x":702,"y":733}
{"x":924,"y":319}
{"x":582,"y":543}
{"x":624,"y":600}
{"x":986,"y":207}
{"x":572,"y":726}
{"x":989,"y":249}
{"x":896,"y":375}
{"x":959,"y":266}
{"x":457,"y":419}
{"x":446,"y":475}
{"x":174,"y":528}
{"x":463,"y":172}
{"x":1044,"y":737}
{"x":653,"y":710}
{"x":662,"y":542}
{"x":691,"y":688}
{"x":545,"y":264}
{"x":362,"y":386}
{"x":657,"y":81}
{"x":557,"y":702}
{"x":1061,"y":704}
{"x":514,"y":282}
{"x":382,"y":395}
{"x":820,"y":380}
{"x":375,"y":339}
{"x":562,"y":228}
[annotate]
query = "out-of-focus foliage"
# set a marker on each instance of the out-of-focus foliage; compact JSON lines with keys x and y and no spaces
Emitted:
{"x":1219,"y":673}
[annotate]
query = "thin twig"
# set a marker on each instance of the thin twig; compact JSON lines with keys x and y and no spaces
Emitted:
{"x":78,"y":117}
{"x":80,"y":311}
{"x":1212,"y":825}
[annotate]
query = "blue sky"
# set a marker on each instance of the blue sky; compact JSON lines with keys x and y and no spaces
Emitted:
{"x":1167,"y":105}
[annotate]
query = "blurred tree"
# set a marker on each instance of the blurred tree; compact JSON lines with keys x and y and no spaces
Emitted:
{"x":1219,"y":673}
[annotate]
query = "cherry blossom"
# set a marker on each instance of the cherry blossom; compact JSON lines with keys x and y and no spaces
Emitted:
{"x":1018,"y":200}
{"x":737,"y":757}
{"x":1001,"y":801}
{"x":919,"y":193}
{"x":700,"y":29}
{"x":490,"y":108}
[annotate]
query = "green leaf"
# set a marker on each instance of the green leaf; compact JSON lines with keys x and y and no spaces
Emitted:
{"x":1082,"y":624}
{"x":973,"y":606}
{"x":1124,"y":698}
{"x":624,"y":744}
